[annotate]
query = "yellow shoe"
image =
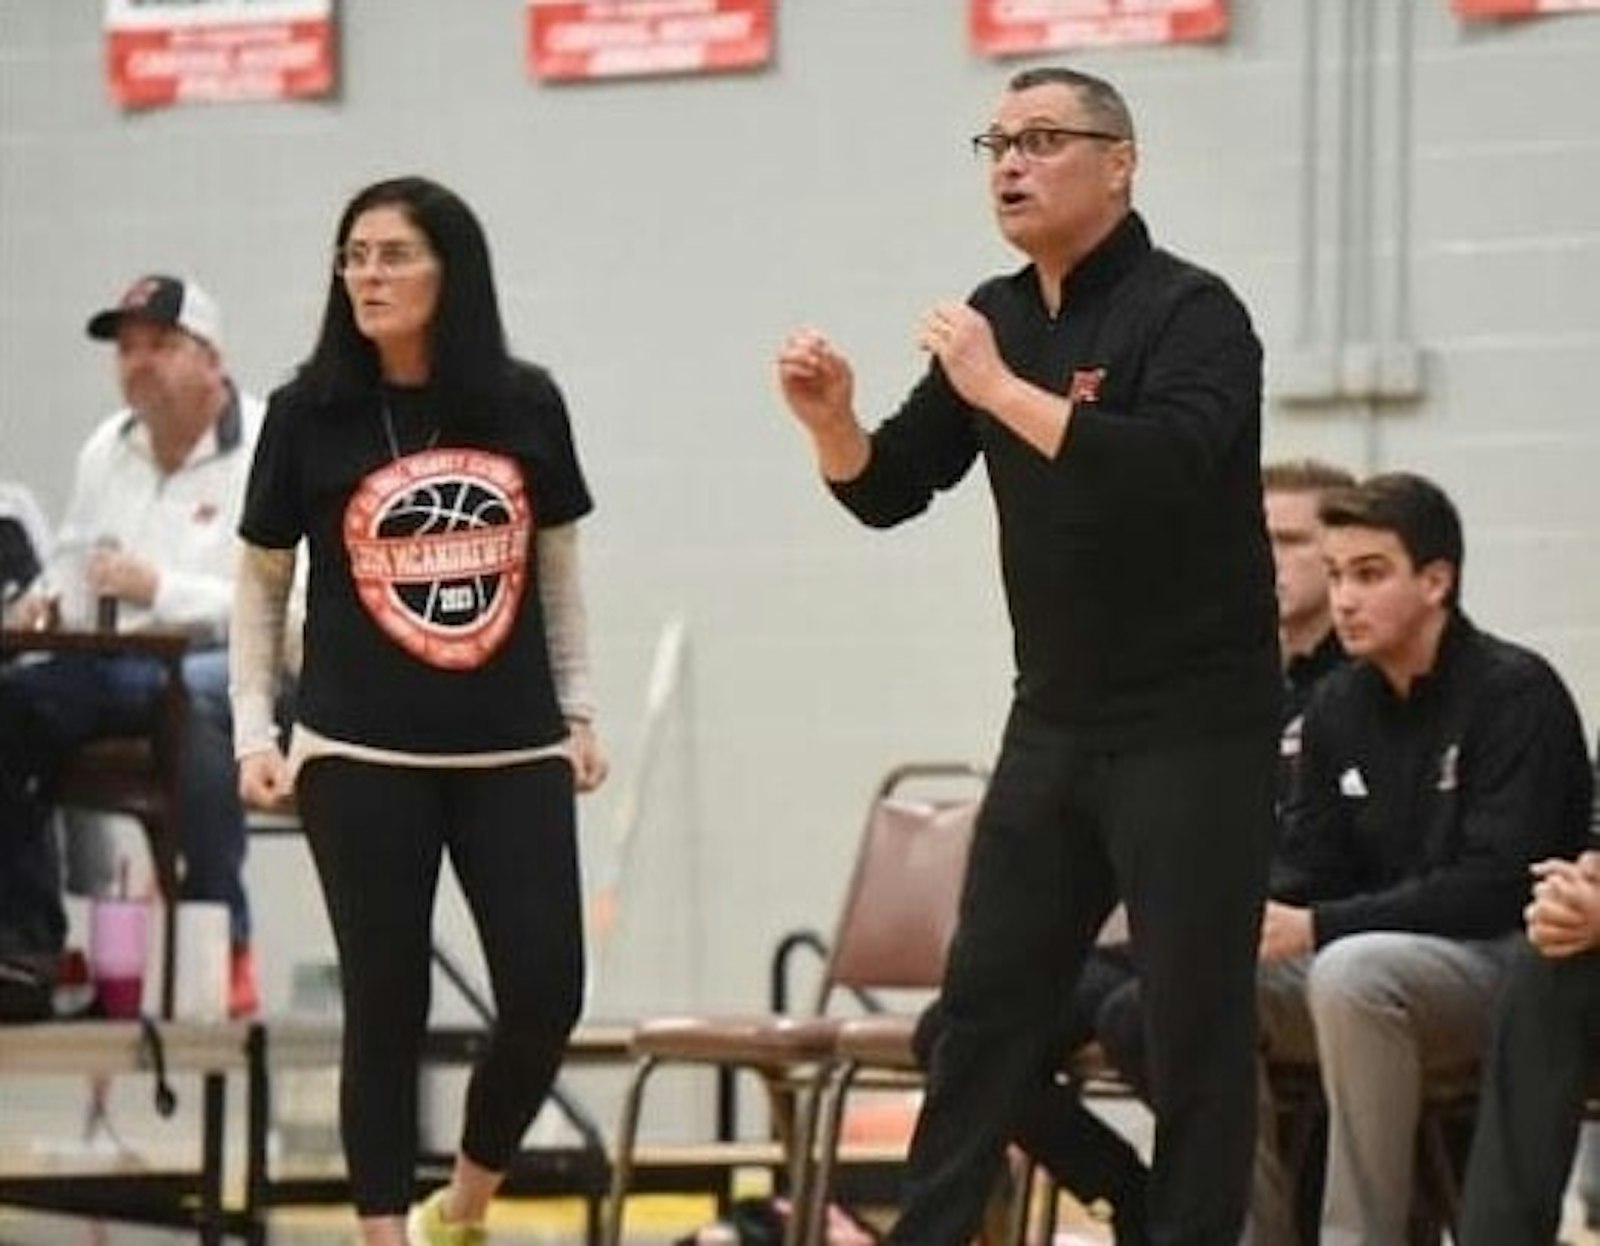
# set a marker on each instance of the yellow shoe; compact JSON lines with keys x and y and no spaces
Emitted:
{"x":426,"y":1226}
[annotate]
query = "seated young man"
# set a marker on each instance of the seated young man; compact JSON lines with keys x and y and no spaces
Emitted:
{"x":1435,"y":767}
{"x":1546,"y":1048}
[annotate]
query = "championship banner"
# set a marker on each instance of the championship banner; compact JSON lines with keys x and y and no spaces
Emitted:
{"x":176,"y":51}
{"x":1020,"y":27}
{"x":640,"y":38}
{"x":1519,"y":8}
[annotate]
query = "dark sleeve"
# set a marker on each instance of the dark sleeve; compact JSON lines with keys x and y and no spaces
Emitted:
{"x":1199,"y":396}
{"x":925,"y":447}
{"x":1314,"y":858}
{"x":1594,"y":799}
{"x":1520,"y":768}
{"x":274,"y":512}
{"x":562,"y":493}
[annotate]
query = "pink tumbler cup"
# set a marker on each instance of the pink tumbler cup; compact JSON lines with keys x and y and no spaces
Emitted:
{"x":118,"y":930}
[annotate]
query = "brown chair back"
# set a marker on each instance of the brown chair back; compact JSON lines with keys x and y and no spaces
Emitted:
{"x":119,"y":774}
{"x":901,"y":907}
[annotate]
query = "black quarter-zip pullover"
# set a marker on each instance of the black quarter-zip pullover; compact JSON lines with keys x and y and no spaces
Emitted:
{"x":1422,"y":813}
{"x":1136,"y":565}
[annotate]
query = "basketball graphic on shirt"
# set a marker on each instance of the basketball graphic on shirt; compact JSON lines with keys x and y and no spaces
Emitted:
{"x":438,"y":544}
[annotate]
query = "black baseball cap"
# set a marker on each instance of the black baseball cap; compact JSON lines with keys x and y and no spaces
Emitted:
{"x":159,"y":299}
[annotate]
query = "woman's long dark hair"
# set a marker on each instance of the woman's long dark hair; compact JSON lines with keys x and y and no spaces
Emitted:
{"x":470,"y":362}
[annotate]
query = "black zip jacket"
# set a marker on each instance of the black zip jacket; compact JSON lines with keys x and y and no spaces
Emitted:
{"x":1136,"y":564}
{"x":1422,"y":814}
{"x":1300,"y":679}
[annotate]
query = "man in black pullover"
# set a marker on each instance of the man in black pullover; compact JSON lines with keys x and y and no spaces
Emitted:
{"x":1434,"y":769}
{"x":1113,"y":392}
{"x":1082,"y":1152}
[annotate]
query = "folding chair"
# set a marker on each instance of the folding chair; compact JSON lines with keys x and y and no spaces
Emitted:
{"x":877,"y":1051}
{"x":898,"y":914}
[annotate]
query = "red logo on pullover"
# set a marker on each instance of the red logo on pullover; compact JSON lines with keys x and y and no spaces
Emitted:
{"x":1085,"y":385}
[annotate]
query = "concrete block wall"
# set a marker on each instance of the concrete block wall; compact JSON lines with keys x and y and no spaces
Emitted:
{"x":654,"y":240}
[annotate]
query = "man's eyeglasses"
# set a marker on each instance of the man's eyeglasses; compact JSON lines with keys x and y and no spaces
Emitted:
{"x":1037,"y":142}
{"x":386,"y":258}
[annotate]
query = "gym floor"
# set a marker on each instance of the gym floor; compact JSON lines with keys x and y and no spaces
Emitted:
{"x":37,"y":1133}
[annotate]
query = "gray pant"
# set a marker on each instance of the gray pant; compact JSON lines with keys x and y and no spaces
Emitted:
{"x":1377,"y":1012}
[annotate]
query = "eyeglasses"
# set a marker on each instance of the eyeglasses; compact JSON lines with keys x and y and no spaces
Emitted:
{"x":1037,"y":142}
{"x":388,"y":259}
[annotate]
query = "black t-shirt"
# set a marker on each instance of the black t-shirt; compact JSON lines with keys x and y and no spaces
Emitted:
{"x":424,"y":631}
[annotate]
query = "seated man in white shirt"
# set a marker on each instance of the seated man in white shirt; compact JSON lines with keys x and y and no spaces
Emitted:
{"x":148,"y":531}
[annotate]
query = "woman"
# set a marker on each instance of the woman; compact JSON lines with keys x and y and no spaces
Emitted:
{"x":443,"y":703}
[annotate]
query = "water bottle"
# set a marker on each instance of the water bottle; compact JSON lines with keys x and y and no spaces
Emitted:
{"x":105,"y":605}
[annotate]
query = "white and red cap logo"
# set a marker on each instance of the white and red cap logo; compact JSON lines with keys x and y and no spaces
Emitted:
{"x":438,"y":545}
{"x":166,"y":300}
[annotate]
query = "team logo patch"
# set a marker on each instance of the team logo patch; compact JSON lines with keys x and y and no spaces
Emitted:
{"x":438,"y":545}
{"x":1289,"y":739}
{"x":1449,"y":765}
{"x":1085,"y":384}
{"x":139,"y":294}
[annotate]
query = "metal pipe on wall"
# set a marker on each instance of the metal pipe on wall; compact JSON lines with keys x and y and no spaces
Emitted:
{"x":1353,"y":304}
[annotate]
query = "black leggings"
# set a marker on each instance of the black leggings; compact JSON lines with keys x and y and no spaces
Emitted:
{"x":377,"y":833}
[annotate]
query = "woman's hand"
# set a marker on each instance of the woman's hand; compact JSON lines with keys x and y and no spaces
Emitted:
{"x":264,"y":780}
{"x":589,"y":764}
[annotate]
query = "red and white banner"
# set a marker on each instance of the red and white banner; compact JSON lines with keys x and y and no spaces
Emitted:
{"x":174,"y":51}
{"x":1519,"y":8}
{"x":1020,"y":27}
{"x":634,"y":38}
